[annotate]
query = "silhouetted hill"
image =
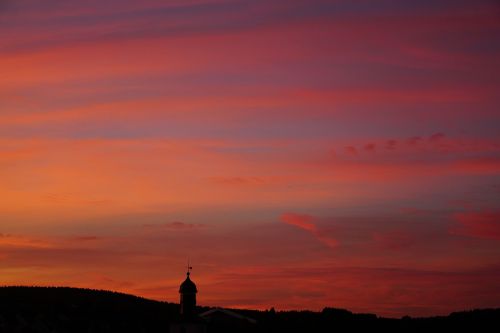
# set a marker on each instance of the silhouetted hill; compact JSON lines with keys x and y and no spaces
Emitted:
{"x":40,"y":309}
{"x":61,"y":309}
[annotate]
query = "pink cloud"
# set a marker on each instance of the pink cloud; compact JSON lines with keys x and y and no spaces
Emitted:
{"x":435,"y":145}
{"x":307,"y":222}
{"x":302,"y":221}
{"x":440,"y":155}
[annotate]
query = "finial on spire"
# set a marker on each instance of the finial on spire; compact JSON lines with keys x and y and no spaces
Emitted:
{"x":189,"y":268}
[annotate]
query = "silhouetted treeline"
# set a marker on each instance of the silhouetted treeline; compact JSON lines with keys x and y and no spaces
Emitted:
{"x":55,"y":310}
{"x":60,"y":309}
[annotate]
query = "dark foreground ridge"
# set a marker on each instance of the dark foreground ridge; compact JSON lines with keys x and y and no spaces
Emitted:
{"x":62,"y":309}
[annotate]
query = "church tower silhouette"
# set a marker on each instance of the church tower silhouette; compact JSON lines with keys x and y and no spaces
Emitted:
{"x":213,"y":320}
{"x":188,"y":292}
{"x":189,"y":320}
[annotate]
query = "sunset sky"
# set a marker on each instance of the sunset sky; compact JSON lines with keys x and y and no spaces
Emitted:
{"x":302,"y":154}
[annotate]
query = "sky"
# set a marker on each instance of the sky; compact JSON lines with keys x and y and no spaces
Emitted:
{"x":302,"y":154}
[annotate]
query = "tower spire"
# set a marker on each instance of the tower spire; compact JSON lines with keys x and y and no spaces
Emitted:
{"x":188,"y":292}
{"x":189,"y":268}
